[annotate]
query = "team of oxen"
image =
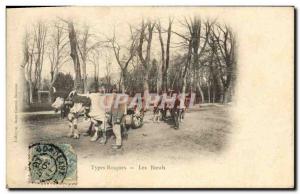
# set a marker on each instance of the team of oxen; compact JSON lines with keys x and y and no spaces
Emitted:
{"x":118,"y":112}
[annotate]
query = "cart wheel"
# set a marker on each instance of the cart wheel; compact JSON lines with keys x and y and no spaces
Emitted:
{"x":137,"y":122}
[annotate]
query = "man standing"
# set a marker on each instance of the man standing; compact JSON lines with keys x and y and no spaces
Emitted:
{"x":118,"y":111}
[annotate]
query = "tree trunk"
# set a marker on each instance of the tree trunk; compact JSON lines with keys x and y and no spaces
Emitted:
{"x":84,"y":75}
{"x":146,"y":60}
{"x":146,"y":81}
{"x":123,"y":78}
{"x":75,"y":58}
{"x":183,"y":87}
{"x":95,"y":73}
{"x":161,"y":75}
{"x":201,"y":92}
{"x":30,"y":92}
{"x":187,"y":67}
{"x":214,"y":96}
{"x":221,"y":99}
{"x":24,"y":89}
{"x":158,"y":82}
{"x":227,"y":94}
{"x":208,"y":92}
{"x":165,"y":76}
{"x":165,"y":60}
{"x":30,"y":85}
{"x":146,"y":87}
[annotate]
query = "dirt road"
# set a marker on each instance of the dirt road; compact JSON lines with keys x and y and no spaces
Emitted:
{"x":205,"y":130}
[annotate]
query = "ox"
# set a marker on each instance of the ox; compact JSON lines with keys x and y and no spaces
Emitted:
{"x":106,"y":112}
{"x":176,"y":104}
{"x":104,"y":115}
{"x":73,"y":107}
{"x":63,"y":105}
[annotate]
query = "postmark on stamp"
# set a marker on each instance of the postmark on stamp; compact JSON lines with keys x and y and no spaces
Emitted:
{"x":52,"y":163}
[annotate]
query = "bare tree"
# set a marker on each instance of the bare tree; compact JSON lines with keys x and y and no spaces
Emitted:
{"x":26,"y":53}
{"x":40,"y":32}
{"x":186,"y":44}
{"x":95,"y":60}
{"x":200,"y":36}
{"x":195,"y":41}
{"x":58,"y":50}
{"x":34,"y":44}
{"x":165,"y":61}
{"x":204,"y":63}
{"x":146,"y":33}
{"x":24,"y":65}
{"x":74,"y":55}
{"x":160,"y":80}
{"x":126,"y":58}
{"x":225,"y":44}
{"x":85,"y":46}
{"x":108,"y":70}
{"x":29,"y":68}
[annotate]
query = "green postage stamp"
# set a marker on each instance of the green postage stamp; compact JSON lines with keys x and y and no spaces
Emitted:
{"x":52,"y":163}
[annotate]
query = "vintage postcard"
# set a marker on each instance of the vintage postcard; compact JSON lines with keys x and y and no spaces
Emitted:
{"x":150,"y":97}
